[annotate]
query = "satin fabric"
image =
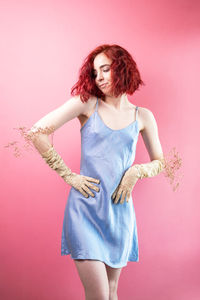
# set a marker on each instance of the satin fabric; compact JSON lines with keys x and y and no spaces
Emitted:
{"x":96,"y":228}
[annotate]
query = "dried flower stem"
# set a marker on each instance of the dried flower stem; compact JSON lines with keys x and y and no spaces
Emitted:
{"x":172,"y":163}
{"x":29,"y":135}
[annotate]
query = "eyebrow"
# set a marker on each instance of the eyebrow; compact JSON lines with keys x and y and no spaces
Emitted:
{"x":102,"y":66}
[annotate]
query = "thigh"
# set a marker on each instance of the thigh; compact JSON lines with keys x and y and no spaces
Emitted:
{"x":113,"y":275}
{"x":93,"y":276}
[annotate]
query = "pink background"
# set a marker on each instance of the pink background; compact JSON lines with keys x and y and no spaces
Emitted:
{"x":42,"y":46}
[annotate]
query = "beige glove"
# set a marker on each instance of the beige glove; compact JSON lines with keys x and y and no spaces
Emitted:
{"x":78,"y":181}
{"x":150,"y":169}
{"x":132,"y":175}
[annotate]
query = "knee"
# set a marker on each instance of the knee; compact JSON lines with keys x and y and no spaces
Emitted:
{"x":96,"y":295}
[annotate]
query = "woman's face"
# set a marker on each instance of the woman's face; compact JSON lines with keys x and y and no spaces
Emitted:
{"x":102,"y":72}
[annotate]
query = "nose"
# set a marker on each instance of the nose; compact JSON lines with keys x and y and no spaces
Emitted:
{"x":99,"y":76}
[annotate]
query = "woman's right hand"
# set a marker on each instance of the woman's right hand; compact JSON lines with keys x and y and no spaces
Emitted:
{"x":82,"y":183}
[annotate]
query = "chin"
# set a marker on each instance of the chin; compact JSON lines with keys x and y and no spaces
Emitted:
{"x":108,"y":93}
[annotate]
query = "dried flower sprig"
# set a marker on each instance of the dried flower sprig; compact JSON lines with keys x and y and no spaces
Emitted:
{"x":29,"y":135}
{"x":172,"y":163}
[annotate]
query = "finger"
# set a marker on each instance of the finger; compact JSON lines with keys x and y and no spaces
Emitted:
{"x":128,"y":196}
{"x":114,"y":194}
{"x":92,"y":179}
{"x":118,"y":195}
{"x":123,"y":197}
{"x":92,"y":186}
{"x":85,"y":188}
{"x":83,"y":193}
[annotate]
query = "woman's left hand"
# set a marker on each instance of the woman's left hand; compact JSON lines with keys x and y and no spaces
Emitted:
{"x":126,"y":185}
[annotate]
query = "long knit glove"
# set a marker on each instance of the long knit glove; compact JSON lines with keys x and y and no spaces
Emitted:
{"x":150,"y":169}
{"x":132,"y":175}
{"x":78,"y":181}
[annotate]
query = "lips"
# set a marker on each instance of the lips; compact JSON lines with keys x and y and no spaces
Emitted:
{"x":103,"y":85}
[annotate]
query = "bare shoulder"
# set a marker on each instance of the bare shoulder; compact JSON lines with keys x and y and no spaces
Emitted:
{"x":82,"y":107}
{"x":146,"y":118}
{"x":89,"y":106}
{"x":150,"y":133}
{"x":88,"y":109}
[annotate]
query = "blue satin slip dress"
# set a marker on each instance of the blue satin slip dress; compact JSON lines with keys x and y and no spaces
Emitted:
{"x":95,"y":227}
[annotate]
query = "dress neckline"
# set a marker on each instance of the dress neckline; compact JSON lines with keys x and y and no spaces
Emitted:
{"x":106,"y":126}
{"x":99,"y":117}
{"x":132,"y":123}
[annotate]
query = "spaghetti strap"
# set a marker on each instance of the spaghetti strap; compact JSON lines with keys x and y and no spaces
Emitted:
{"x":96,"y":104}
{"x":136,"y":112}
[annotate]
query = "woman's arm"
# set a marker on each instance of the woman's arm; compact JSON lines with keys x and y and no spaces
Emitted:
{"x":150,"y":134}
{"x":55,"y":119}
{"x":151,"y":140}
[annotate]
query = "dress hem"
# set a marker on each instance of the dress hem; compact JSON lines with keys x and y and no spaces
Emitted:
{"x":81,"y":256}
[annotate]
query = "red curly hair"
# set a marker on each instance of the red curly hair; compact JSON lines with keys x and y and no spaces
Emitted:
{"x":124,"y":73}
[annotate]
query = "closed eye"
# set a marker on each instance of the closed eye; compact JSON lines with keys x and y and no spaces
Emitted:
{"x":105,"y":70}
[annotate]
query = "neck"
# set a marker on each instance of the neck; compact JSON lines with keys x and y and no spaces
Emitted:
{"x":117,"y":102}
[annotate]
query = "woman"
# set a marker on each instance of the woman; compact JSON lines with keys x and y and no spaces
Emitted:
{"x":99,"y":227}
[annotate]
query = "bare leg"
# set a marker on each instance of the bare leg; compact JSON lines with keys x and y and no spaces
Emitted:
{"x":113,"y":278}
{"x":94,"y":278}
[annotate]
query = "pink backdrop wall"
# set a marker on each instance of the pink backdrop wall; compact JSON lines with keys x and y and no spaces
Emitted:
{"x":43,"y":44}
